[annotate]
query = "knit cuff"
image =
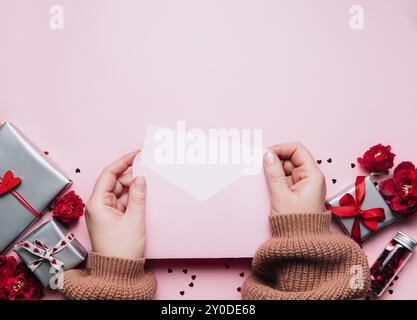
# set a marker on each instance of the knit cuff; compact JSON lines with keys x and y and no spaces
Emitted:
{"x":112,"y":268}
{"x":300,"y":224}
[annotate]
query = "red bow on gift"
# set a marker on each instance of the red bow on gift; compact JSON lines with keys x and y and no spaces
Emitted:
{"x":351,"y":207}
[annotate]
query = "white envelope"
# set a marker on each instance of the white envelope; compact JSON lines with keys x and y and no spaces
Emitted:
{"x":200,"y":205}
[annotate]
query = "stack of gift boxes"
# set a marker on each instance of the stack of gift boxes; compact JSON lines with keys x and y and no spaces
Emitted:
{"x":30,"y":182}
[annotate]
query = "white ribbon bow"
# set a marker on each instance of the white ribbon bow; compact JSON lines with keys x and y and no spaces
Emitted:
{"x":41,"y":250}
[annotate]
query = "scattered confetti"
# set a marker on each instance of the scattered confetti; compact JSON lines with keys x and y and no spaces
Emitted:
{"x":352,"y":165}
{"x":170,"y":270}
{"x":185,"y":271}
{"x":193,"y":276}
{"x":396,"y":278}
{"x":318,"y":161}
{"x":242,"y":274}
{"x":239,"y":289}
{"x":334,"y":181}
{"x":390,"y":291}
{"x":77,"y":170}
{"x":227,"y":266}
{"x":191,"y":284}
{"x":182,"y":293}
{"x":329,"y":160}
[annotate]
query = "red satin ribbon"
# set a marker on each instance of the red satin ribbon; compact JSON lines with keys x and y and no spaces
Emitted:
{"x":23,"y":202}
{"x":351,"y":207}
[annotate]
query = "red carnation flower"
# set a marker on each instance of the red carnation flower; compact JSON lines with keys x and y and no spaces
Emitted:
{"x":68,"y":208}
{"x":7,"y":268}
{"x":18,"y":283}
{"x":377,"y":159}
{"x":400,"y":192}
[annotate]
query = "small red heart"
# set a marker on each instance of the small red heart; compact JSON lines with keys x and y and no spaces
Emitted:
{"x":9,"y":182}
{"x":63,"y":243}
{"x":36,"y":250}
{"x":53,"y":261}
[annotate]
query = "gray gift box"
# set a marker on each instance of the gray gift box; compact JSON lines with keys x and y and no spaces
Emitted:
{"x":42,"y":182}
{"x":51,"y":233}
{"x":373,"y":199}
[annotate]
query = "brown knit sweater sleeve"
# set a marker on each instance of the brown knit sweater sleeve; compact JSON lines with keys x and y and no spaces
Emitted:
{"x":303,"y":260}
{"x":110,"y":278}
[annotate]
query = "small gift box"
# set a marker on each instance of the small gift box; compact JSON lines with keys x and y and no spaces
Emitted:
{"x":29,"y":183}
{"x":360,"y":209}
{"x":49,"y":250}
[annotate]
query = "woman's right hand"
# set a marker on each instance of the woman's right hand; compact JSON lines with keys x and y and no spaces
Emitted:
{"x":295,"y":182}
{"x":116,"y":211}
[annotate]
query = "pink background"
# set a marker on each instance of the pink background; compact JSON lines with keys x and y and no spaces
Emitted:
{"x":293,"y":68}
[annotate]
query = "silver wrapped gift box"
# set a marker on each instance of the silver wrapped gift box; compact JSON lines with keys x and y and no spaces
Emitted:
{"x":47,"y":238}
{"x":41,"y":182}
{"x":373,"y":199}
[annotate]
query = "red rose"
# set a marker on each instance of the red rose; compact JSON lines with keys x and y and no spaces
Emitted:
{"x":68,"y":208}
{"x":20,"y":283}
{"x":400,"y":192}
{"x":378,"y":159}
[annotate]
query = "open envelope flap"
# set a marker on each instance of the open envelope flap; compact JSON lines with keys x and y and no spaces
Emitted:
{"x":202,"y":181}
